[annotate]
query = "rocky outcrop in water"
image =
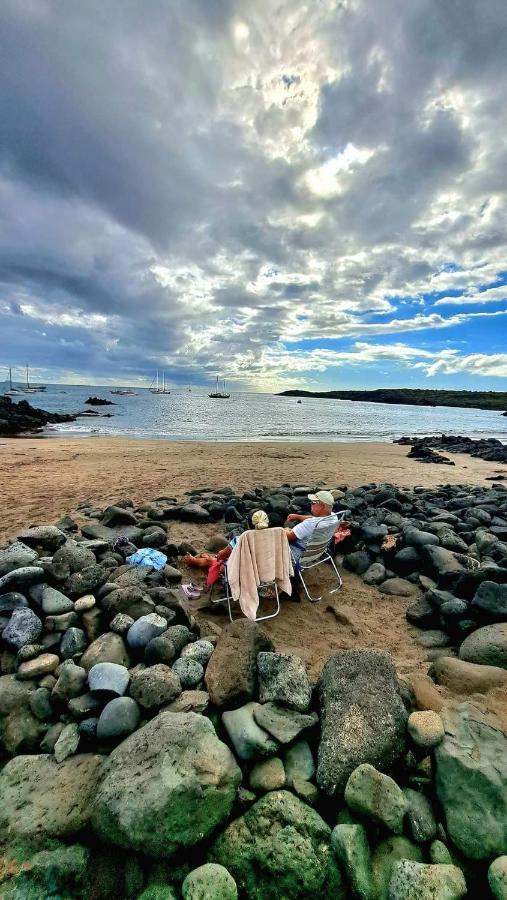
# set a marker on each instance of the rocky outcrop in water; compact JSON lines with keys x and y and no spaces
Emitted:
{"x":490,"y":449}
{"x":21,"y":418}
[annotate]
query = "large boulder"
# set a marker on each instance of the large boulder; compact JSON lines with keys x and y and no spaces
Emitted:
{"x":166,"y":787}
{"x":419,"y":881}
{"x":466,"y":677}
{"x":43,"y":798}
{"x":362,"y":715}
{"x":20,"y":729}
{"x":490,"y":602}
{"x":231,"y":676}
{"x":16,"y":556}
{"x":471,"y":779}
{"x":486,"y":646}
{"x":280,"y":848}
{"x":283,"y":678}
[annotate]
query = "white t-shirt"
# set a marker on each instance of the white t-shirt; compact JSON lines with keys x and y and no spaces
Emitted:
{"x":304,"y":530}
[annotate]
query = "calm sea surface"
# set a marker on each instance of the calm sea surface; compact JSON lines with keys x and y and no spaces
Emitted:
{"x":192,"y":415}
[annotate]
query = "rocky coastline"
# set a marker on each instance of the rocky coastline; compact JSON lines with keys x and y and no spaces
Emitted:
{"x":490,"y":449}
{"x":144,"y":756}
{"x":22,"y":419}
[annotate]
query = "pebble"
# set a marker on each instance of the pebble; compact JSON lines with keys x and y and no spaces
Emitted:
{"x":189,"y":671}
{"x":377,"y":797}
{"x":119,"y":718}
{"x":121,"y":623}
{"x":84,"y":603}
{"x":200,"y":651}
{"x":145,"y":629}
{"x":24,"y":628}
{"x":41,"y":665}
{"x":268,"y":775}
{"x":426,"y":728}
{"x":67,"y":743}
{"x":109,"y":677}
{"x":497,"y":878}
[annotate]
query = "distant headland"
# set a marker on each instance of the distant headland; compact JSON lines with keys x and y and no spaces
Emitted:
{"x":414,"y":397}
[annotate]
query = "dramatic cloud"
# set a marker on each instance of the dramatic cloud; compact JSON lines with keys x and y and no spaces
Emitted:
{"x":248,"y":188}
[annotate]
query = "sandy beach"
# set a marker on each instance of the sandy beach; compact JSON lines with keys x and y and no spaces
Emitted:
{"x":42,"y":479}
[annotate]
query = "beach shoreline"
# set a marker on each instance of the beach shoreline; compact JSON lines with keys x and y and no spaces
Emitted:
{"x":42,"y":480}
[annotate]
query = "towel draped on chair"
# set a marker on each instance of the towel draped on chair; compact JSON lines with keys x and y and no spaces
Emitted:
{"x":258,"y":557}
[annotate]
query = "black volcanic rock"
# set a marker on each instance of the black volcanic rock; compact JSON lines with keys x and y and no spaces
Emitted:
{"x":20,"y":418}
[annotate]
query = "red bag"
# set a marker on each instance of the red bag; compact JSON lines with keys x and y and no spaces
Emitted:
{"x":214,"y":572}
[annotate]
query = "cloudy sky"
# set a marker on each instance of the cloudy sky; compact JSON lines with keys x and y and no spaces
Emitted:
{"x":289,"y":194}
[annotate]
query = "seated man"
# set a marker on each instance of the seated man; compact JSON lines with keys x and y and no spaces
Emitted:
{"x":321,"y":505}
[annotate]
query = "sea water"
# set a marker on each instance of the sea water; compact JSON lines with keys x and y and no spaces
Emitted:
{"x":192,"y":415}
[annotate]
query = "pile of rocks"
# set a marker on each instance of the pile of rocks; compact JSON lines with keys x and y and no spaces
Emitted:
{"x":490,"y":449}
{"x":145,"y":759}
{"x":19,"y":418}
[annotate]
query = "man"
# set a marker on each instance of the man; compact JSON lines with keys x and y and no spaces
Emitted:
{"x":321,"y":505}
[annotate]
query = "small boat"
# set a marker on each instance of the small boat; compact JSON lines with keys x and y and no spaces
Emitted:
{"x":12,"y":390}
{"x":158,"y":389}
{"x":299,"y":401}
{"x":121,"y":392}
{"x":32,"y":388}
{"x":217,"y":394}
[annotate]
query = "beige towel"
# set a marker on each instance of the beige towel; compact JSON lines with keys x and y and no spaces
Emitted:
{"x":259,"y":556}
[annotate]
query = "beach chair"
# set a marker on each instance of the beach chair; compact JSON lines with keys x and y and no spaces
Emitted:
{"x":317,"y":552}
{"x":264,"y":544}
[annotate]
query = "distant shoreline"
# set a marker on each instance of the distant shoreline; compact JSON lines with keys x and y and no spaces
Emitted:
{"x":491,"y":400}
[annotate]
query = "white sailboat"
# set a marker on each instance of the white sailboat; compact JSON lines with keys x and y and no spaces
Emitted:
{"x":217,"y":394}
{"x":32,"y":388}
{"x":12,"y":390}
{"x":158,"y":389}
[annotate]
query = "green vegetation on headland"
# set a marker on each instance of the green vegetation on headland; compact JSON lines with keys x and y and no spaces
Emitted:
{"x":414,"y":397}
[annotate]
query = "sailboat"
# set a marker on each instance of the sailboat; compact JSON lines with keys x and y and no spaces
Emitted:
{"x":32,"y":388}
{"x":12,"y":390}
{"x":158,"y":389}
{"x":217,"y":394}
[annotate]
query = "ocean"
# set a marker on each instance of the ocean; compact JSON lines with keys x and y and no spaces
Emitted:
{"x":193,"y":416}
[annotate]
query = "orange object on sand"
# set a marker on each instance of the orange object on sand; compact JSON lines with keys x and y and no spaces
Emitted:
{"x":202,"y":561}
{"x":342,"y":532}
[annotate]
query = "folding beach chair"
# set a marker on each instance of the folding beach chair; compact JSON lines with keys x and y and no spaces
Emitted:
{"x":317,"y":551}
{"x":263,"y":540}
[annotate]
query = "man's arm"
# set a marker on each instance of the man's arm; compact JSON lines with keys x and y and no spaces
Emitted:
{"x":296,"y":517}
{"x":291,"y":537}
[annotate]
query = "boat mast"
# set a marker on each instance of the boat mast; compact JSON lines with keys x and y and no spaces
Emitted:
{"x":163,"y":382}
{"x":10,"y":378}
{"x":27,"y":382}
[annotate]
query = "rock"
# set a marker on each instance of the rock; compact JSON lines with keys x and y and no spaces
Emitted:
{"x":73,"y":643}
{"x":166,"y":787}
{"x":306,"y":791}
{"x":425,"y":693}
{"x":433,"y":638}
{"x":108,"y":647}
{"x":377,"y":797}
{"x":47,"y":745}
{"x":422,"y":614}
{"x":85,"y":704}
{"x":11,"y":601}
{"x":497,"y":878}
{"x":179,"y":636}
{"x":144,"y":629}
{"x":59,"y":872}
{"x":48,"y":537}
{"x":16,"y":556}
{"x":299,"y":762}
{"x":54,"y":602}
{"x":117,"y":515}
{"x":67,"y":743}
{"x":443,"y":564}
{"x":121,"y":623}
{"x":426,"y":729}
{"x":231,"y":675}
{"x":71,"y":681}
{"x":279,"y":848}
{"x":438,"y":853}
{"x":129,"y":601}
{"x":268,"y":775}
{"x":362,"y":715}
{"x":158,"y":892}
{"x":155,"y":686}
{"x":420,"y":881}
{"x":119,"y":718}
{"x":420,"y":816}
{"x":189,"y":671}
{"x":61,"y":623}
{"x":283,"y":724}
{"x":471,"y":774}
{"x":491,"y":601}
{"x":350,"y":845}
{"x":414,"y":537}
{"x":190,"y":701}
{"x":466,"y":677}
{"x":40,"y":704}
{"x":108,"y":677}
{"x":43,"y":798}
{"x":283,"y":679}
{"x":86,"y":581}
{"x":200,"y":651}
{"x":486,"y":646}
{"x":41,"y":665}
{"x":358,"y":561}
{"x":24,"y":627}
{"x":209,"y":882}
{"x":73,"y":556}
{"x":248,"y":739}
{"x":375,"y":574}
{"x":385,"y":856}
{"x":82,"y":604}
{"x":398,"y":587}
{"x":18,"y":577}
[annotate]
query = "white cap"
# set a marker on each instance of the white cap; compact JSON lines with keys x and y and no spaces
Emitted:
{"x":324,"y":497}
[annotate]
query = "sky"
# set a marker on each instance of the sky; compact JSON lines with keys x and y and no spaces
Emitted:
{"x":288,"y":194}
